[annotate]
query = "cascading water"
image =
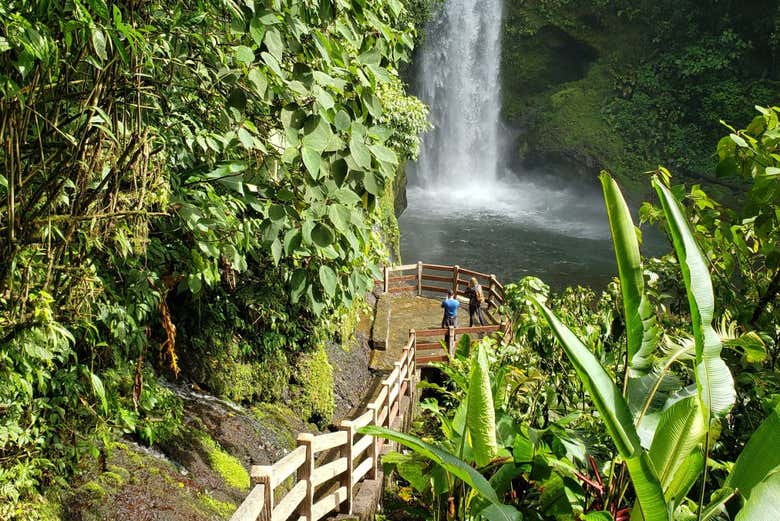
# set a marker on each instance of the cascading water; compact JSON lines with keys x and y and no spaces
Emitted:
{"x":465,"y":204}
{"x":458,"y":77}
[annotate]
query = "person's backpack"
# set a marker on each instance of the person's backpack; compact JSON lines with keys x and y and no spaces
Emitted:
{"x":480,"y":296}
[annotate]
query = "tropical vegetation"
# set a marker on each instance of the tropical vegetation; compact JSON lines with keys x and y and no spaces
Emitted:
{"x":634,"y":405}
{"x":204,"y":192}
{"x":198,"y":189}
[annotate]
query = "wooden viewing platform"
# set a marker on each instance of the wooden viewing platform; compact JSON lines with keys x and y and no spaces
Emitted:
{"x":338,"y":473}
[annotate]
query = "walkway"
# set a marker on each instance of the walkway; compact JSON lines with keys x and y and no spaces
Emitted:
{"x":340,"y":472}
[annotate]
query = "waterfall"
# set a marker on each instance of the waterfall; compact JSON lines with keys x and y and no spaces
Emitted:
{"x":458,"y":78}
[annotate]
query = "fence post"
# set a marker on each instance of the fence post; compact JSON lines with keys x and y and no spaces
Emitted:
{"x":397,"y":385}
{"x":419,"y":278}
{"x":305,"y":472}
{"x":346,"y":452}
{"x":386,"y":385}
{"x":455,"y":273}
{"x":492,"y":289}
{"x":413,"y":354}
{"x":373,"y":451}
{"x":451,"y":341}
{"x":386,"y":272}
{"x":262,"y":475}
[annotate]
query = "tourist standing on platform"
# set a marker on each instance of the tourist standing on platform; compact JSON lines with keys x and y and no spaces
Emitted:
{"x":476,"y":298}
{"x":450,"y":317}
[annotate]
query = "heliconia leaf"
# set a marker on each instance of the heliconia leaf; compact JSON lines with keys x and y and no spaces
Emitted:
{"x":616,"y":416}
{"x":629,"y":263}
{"x":602,"y":389}
{"x":680,"y":432}
{"x":763,"y":504}
{"x":480,"y":415}
{"x":759,"y":457}
{"x":452,"y":465}
{"x":713,"y":378}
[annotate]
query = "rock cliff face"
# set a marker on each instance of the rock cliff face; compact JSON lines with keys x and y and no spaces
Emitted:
{"x":600,"y":84}
{"x":202,"y":473}
{"x":555,"y":82}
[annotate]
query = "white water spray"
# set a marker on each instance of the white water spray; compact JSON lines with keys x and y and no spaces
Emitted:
{"x":458,"y":78}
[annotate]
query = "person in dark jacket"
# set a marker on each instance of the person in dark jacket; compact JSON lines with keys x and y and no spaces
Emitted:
{"x":476,"y":299}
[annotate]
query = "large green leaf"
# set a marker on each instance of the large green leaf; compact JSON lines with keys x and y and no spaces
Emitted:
{"x":329,"y":280}
{"x":764,"y":502}
{"x":602,"y":389}
{"x":480,"y":415}
{"x":641,"y":331}
{"x":680,"y":432}
{"x":713,"y":378}
{"x":616,"y":416}
{"x":450,"y":463}
{"x":759,"y":457}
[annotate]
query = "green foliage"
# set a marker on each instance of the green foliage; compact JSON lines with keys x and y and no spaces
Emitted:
{"x":227,"y":466}
{"x":313,"y":399}
{"x":213,"y":168}
{"x":656,"y":76}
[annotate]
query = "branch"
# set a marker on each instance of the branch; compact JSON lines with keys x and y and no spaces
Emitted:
{"x":68,"y":217}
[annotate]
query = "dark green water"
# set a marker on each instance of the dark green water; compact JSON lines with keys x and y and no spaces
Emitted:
{"x":545,"y":228}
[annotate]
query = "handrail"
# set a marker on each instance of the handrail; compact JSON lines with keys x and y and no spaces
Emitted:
{"x":394,"y":280}
{"x":357,"y":458}
{"x":319,"y":488}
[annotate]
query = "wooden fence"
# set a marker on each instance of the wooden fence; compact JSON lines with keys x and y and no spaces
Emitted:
{"x":436,"y":280}
{"x":304,"y":487}
{"x":320,"y":476}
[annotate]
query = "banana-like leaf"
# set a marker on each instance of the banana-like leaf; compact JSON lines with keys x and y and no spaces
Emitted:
{"x":451,"y":464}
{"x":713,"y":378}
{"x":760,"y":456}
{"x":687,"y":473}
{"x":480,"y":415}
{"x":649,"y":493}
{"x":616,"y":416}
{"x":763,"y":504}
{"x":680,"y":432}
{"x":719,"y":499}
{"x":641,"y":330}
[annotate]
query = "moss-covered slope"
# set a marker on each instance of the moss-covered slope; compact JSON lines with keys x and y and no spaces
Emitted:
{"x":595,"y":84}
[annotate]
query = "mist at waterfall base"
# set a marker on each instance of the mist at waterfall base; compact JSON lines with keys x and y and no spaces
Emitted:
{"x":536,"y":225}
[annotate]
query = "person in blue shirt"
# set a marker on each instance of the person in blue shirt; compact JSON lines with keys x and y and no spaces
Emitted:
{"x":450,"y":318}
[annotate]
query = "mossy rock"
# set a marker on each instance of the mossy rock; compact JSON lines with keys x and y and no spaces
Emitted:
{"x":228,"y":467}
{"x":313,"y":392}
{"x":133,"y":484}
{"x":226,"y":372}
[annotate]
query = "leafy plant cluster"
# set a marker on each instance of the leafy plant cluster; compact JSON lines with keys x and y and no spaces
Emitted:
{"x":185,"y":186}
{"x":656,"y":400}
{"x":659,"y":77}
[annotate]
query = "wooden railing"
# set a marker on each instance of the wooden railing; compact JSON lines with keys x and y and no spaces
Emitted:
{"x":427,"y":280}
{"x":427,"y":352}
{"x":319,"y":477}
{"x":305,"y":487}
